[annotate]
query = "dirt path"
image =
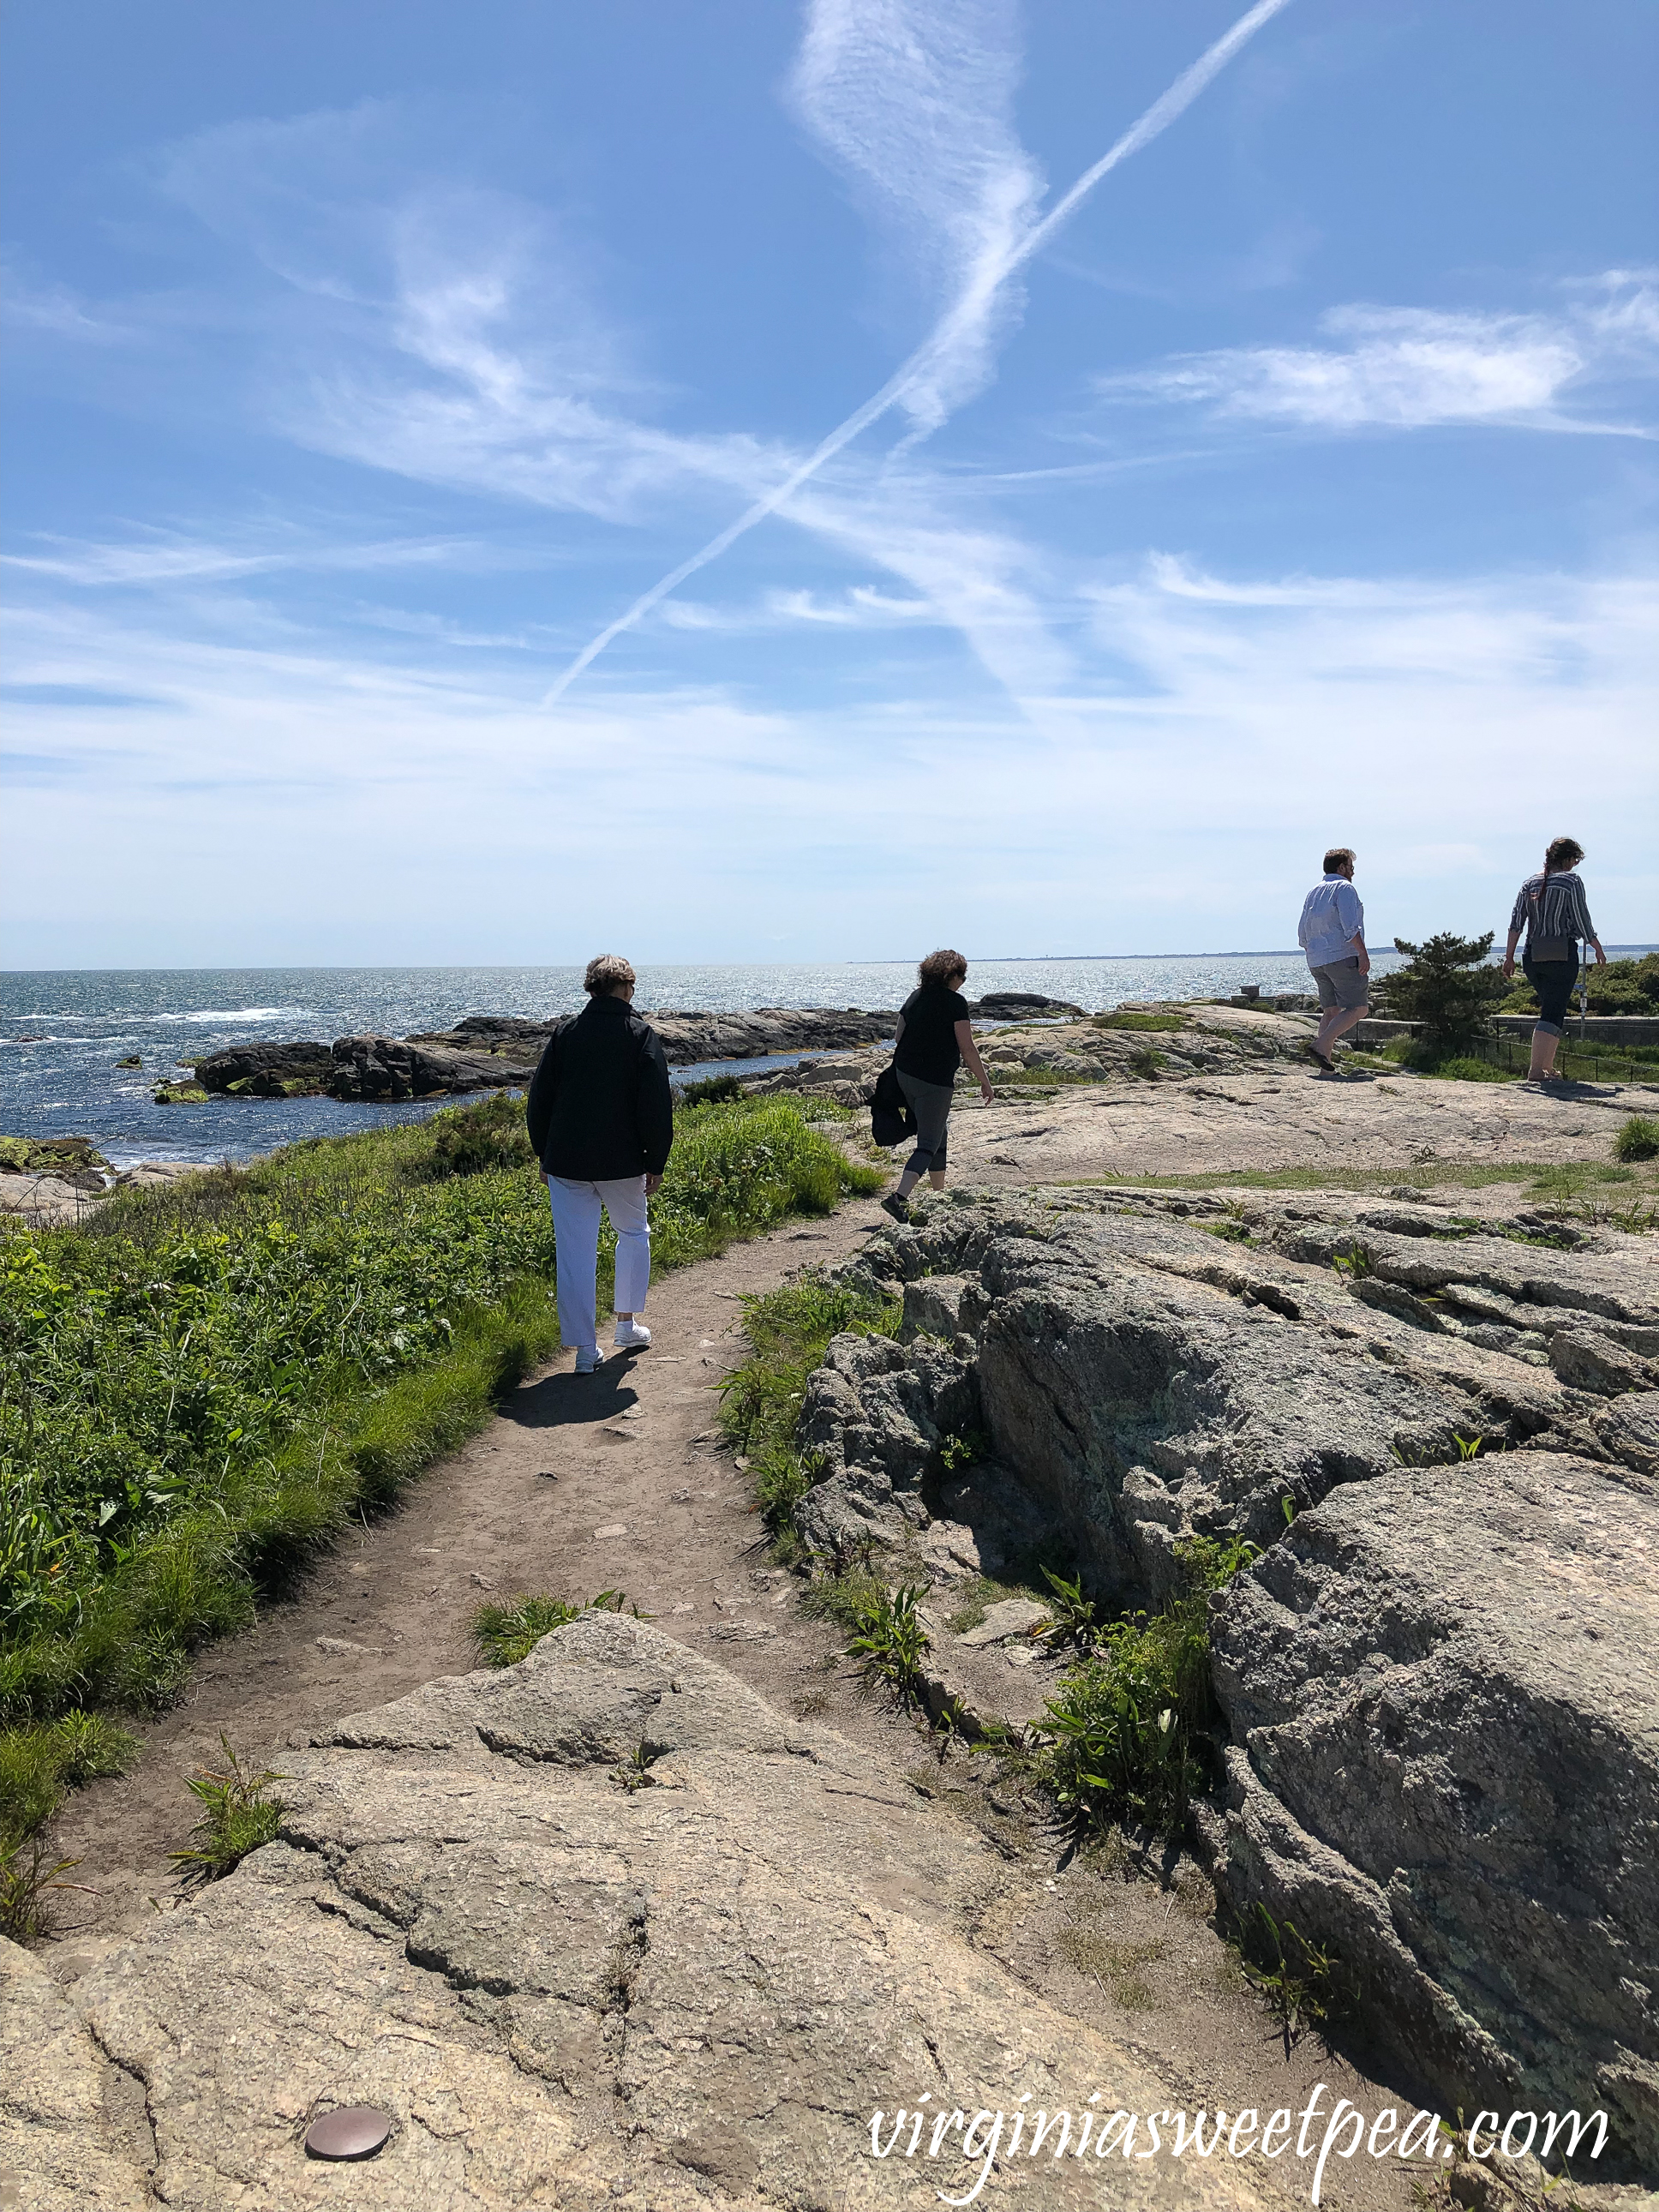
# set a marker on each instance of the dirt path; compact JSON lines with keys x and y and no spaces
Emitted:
{"x":618,"y":1480}
{"x":614,"y":1480}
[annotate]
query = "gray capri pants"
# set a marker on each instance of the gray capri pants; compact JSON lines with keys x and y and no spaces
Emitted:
{"x":931,"y":1104}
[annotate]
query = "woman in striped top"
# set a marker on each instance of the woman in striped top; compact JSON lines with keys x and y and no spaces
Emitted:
{"x":1552,"y":908}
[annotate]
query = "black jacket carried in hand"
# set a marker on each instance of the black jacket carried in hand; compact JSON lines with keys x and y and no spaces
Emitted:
{"x":599,"y":1106}
{"x":891,"y":1119}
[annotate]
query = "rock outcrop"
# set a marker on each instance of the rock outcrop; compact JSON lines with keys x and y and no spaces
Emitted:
{"x":1442,"y":1674}
{"x":1445,"y":1698}
{"x":686,"y":1038}
{"x":600,"y":1929}
{"x":1150,"y":1379}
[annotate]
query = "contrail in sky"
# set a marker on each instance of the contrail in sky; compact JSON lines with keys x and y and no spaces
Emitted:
{"x":960,"y":320}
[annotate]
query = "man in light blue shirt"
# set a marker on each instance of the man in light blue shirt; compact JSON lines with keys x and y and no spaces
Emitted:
{"x":1332,"y":933}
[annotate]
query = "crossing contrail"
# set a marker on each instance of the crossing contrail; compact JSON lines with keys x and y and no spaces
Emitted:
{"x":958,"y":321}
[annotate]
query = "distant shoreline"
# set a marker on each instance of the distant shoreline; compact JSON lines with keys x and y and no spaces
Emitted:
{"x":546,"y":967}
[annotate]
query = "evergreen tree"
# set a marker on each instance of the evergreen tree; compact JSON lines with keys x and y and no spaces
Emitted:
{"x":1448,"y":988}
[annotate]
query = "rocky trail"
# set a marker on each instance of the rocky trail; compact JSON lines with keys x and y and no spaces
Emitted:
{"x":693,"y":1983}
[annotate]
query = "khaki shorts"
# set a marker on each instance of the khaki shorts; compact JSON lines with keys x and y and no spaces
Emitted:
{"x":1341,"y":984}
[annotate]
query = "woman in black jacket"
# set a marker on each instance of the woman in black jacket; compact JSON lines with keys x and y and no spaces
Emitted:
{"x":935,"y":1039}
{"x":602,"y":1120}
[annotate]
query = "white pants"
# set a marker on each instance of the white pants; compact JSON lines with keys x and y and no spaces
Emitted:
{"x":576,"y":1239}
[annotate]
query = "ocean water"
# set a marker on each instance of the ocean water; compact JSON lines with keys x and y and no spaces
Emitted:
{"x":63,"y":1032}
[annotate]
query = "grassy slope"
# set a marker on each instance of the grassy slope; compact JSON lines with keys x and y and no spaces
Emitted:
{"x":201,"y":1386}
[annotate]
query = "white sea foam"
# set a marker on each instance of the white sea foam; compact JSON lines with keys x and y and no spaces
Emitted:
{"x":234,"y":1014}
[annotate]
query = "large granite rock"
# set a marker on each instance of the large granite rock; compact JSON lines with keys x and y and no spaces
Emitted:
{"x":377,"y":1067}
{"x":1443,"y":1689}
{"x":600,"y":1929}
{"x":267,"y":1071}
{"x":1442,"y":1673}
{"x":1150,"y":1379}
{"x":686,"y":1038}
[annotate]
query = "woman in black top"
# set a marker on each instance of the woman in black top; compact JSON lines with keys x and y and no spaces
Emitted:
{"x":935,"y":1038}
{"x":1551,"y":907}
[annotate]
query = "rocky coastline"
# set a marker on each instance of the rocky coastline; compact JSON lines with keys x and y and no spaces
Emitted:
{"x":485,"y":1052}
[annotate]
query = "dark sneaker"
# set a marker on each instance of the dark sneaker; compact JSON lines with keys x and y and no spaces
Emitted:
{"x":1318,"y":1057}
{"x":897,"y":1208}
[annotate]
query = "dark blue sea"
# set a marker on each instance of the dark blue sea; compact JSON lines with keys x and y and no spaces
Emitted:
{"x":61,"y":1031}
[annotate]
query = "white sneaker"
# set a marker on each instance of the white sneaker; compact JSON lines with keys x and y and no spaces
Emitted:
{"x":588,"y":1358}
{"x":633,"y":1336}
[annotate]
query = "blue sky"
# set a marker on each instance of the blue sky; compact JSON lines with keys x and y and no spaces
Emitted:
{"x":368,"y":362}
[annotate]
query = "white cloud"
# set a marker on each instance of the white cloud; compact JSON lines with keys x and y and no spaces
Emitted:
{"x":913,"y":100}
{"x":1227,"y":729}
{"x":161,"y":557}
{"x":55,"y":308}
{"x":1410,"y":368}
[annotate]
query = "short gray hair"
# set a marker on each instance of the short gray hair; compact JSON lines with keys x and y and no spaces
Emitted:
{"x":605,"y":973}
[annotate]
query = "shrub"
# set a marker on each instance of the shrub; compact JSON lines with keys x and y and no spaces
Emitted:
{"x":1637,"y":1139}
{"x":1448,"y":987}
{"x":710,"y":1089}
{"x":478,"y":1138}
{"x":1146,"y":1062}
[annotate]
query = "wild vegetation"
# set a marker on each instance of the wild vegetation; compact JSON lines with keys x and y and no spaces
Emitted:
{"x":1447,"y":986}
{"x":1621,"y":986}
{"x":201,"y":1385}
{"x":789,"y":1331}
{"x":504,"y":1634}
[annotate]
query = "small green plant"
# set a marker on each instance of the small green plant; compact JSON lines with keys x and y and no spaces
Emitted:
{"x":1298,"y":1988}
{"x":708,"y":1090}
{"x":634,"y":1772}
{"x":27,"y":1874}
{"x":889,"y":1640}
{"x":1120,"y":1017}
{"x":1071,"y":1615}
{"x":964,"y":1451}
{"x":1210,"y":1563}
{"x":1356,"y":1265}
{"x":1468,"y":1447}
{"x":238,"y":1816}
{"x":1230,"y":1232}
{"x":1287,"y":1507}
{"x":1637,"y":1138}
{"x":1146,"y":1062}
{"x":504,"y":1634}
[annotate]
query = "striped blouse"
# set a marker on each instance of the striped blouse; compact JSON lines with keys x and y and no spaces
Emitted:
{"x":1552,"y":907}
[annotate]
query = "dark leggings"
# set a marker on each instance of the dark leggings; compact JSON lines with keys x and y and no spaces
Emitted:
{"x":931,"y":1104}
{"x":1552,"y":980}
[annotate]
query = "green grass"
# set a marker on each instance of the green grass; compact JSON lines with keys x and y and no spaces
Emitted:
{"x":1637,"y":1138}
{"x":201,"y":1384}
{"x":504,"y":1634}
{"x":1119,"y":1018}
{"x":789,"y":1331}
{"x":238,"y":1816}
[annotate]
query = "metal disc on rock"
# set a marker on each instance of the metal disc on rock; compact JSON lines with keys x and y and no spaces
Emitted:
{"x":352,"y":2131}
